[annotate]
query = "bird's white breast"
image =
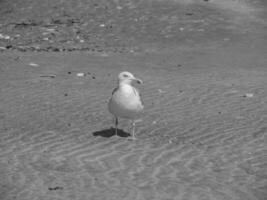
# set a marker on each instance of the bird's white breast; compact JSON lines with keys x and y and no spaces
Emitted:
{"x":125,"y":102}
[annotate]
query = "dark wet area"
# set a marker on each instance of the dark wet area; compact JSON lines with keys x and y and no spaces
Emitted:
{"x":126,"y":26}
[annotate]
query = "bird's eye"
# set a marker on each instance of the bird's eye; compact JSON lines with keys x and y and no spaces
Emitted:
{"x":125,"y":76}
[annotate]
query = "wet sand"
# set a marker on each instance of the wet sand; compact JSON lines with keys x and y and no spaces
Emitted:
{"x":203,"y":134}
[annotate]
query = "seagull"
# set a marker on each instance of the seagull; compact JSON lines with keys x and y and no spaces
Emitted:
{"x":125,"y":101}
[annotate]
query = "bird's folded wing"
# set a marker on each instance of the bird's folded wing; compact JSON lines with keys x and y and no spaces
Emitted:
{"x":114,"y":90}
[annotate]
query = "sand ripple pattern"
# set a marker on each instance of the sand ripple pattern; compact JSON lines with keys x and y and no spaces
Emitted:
{"x":200,"y":138}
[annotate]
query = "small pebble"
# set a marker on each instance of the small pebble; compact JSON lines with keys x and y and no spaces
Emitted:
{"x":55,"y":188}
{"x":6,"y":37}
{"x":48,"y":76}
{"x":80,"y":74}
{"x":160,"y":91}
{"x":249,"y":95}
{"x":34,"y":64}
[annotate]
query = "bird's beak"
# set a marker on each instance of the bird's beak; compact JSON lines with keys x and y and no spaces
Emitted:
{"x":137,"y":80}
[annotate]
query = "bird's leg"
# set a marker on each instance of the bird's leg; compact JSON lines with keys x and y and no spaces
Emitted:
{"x":133,"y":130}
{"x":116,"y":126}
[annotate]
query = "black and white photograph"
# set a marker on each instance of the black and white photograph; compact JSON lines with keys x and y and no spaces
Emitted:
{"x":133,"y":100}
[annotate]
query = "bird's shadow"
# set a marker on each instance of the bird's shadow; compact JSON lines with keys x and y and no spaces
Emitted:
{"x":111,"y":132}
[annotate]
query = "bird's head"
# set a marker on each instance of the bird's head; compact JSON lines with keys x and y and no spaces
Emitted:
{"x":128,"y":78}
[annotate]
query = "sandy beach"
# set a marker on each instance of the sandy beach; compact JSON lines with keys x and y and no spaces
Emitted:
{"x":203,"y":135}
